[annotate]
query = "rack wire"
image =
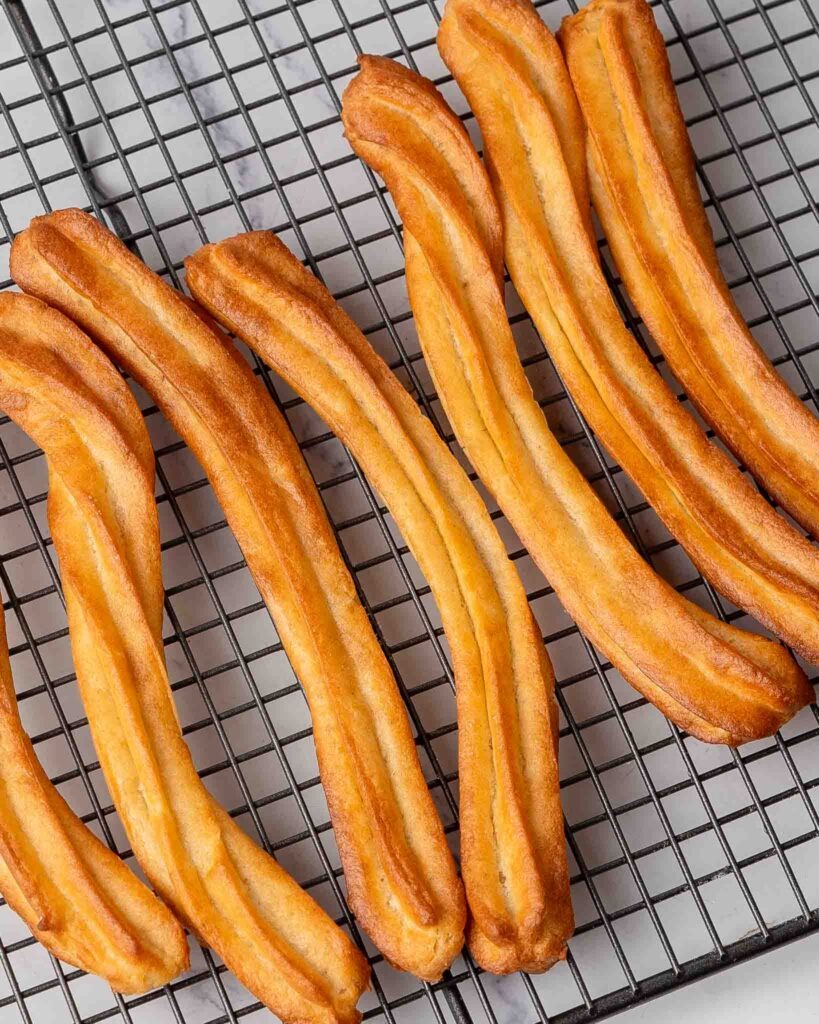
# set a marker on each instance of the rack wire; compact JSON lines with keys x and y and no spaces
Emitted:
{"x":181,"y":121}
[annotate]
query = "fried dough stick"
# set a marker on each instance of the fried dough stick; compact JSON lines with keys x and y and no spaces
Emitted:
{"x":513,"y":854}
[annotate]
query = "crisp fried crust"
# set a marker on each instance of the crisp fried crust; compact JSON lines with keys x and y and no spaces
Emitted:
{"x":644,"y":189}
{"x":401,"y":877}
{"x":104,"y":523}
{"x":717,"y":682}
{"x":512,"y":845}
{"x":513,"y":73}
{"x":75,"y":894}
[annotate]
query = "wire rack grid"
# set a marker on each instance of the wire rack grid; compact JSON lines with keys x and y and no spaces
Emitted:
{"x":183,"y":121}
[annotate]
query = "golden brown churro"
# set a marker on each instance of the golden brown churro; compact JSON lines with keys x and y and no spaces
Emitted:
{"x":62,"y":391}
{"x":401,"y":877}
{"x":512,"y":845}
{"x":644,"y":188}
{"x":75,"y":894}
{"x":717,"y":682}
{"x":512,"y":71}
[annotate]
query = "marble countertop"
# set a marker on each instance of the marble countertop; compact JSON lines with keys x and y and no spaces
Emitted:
{"x":206,"y":172}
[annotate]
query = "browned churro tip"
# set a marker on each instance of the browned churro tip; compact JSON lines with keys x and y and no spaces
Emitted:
{"x":507,"y":958}
{"x":383,"y":110}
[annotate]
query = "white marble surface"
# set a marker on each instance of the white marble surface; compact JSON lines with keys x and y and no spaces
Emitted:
{"x":751,"y":992}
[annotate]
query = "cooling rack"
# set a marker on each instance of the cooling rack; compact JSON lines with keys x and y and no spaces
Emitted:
{"x":183,"y":121}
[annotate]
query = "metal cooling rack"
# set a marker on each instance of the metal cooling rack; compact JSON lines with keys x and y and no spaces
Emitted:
{"x":182,"y":121}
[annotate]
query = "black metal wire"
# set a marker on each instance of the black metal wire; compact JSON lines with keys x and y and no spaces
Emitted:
{"x":466,"y":992}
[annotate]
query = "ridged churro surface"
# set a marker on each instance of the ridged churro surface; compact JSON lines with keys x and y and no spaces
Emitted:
{"x":512,"y":845}
{"x":104,"y":524}
{"x":643,"y":185}
{"x":511,"y":69}
{"x":401,"y":877}
{"x":77,"y":897}
{"x":719,"y":683}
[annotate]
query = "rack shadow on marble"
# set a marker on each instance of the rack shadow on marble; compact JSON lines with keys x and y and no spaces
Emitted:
{"x":130,"y":206}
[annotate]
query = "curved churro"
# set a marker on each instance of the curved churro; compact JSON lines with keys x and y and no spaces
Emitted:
{"x":513,"y":855}
{"x":62,"y":391}
{"x":644,"y":188}
{"x":401,"y":877}
{"x":717,"y":682}
{"x":77,"y":897}
{"x":512,"y":71}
